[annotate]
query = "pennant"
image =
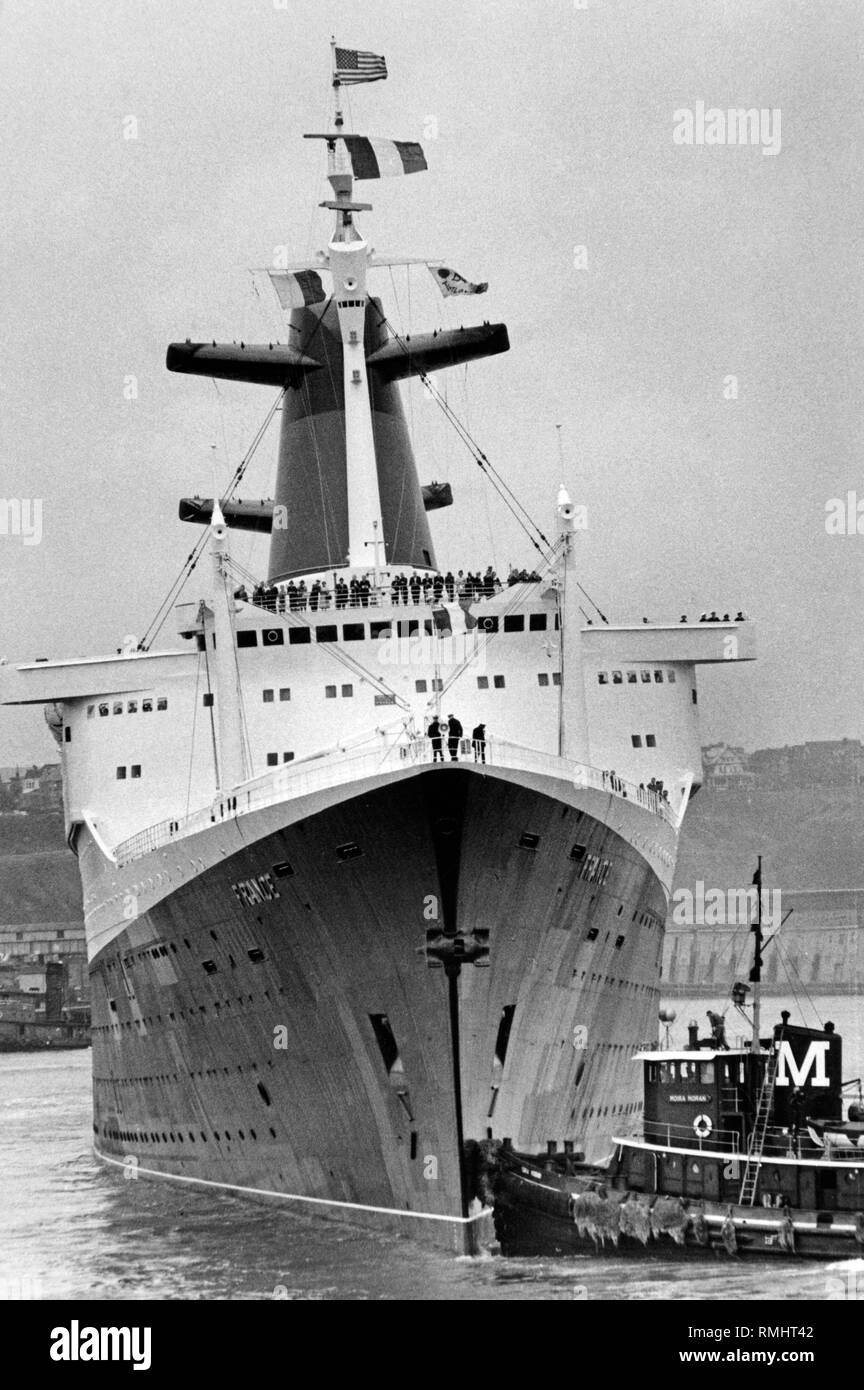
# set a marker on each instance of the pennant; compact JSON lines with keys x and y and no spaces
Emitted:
{"x":451,"y":282}
{"x":378,"y":159}
{"x":297,"y":289}
{"x":353,"y":66}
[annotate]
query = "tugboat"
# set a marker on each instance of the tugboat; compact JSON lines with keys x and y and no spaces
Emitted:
{"x":744,"y":1150}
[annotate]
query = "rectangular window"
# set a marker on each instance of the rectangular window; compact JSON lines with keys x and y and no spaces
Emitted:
{"x":487,"y":624}
{"x":287,"y":757}
{"x":636,"y":740}
{"x":273,"y":637}
{"x":353,"y":632}
{"x":207,"y":699}
{"x":146,"y":707}
{"x":498,"y":682}
{"x":537,"y":622}
{"x":420,"y":687}
{"x":602,"y":678}
{"x":658,"y":677}
{"x":437,"y":683}
{"x":162,"y":702}
{"x":131,"y":706}
{"x":347,"y":691}
{"x":650,"y":741}
{"x":577,"y":853}
{"x":428,"y":626}
{"x":542,"y":678}
{"x":284,"y":692}
{"x":299,"y":636}
{"x":272,"y":759}
{"x":376,"y":629}
{"x":631,"y":677}
{"x":330,"y":692}
{"x":247,"y":637}
{"x":617,"y":678}
{"x":136,"y":769}
{"x":267,"y":696}
{"x":385,"y":699}
{"x":118,"y":706}
{"x":406,"y":627}
{"x":695,"y":698}
{"x":645,"y":677}
{"x":91,"y":710}
{"x":670,"y":676}
{"x":121,"y":774}
{"x":514,"y":622}
{"x":327,"y":632}
{"x":67,"y":734}
{"x":556,"y":677}
{"x":482,"y":682}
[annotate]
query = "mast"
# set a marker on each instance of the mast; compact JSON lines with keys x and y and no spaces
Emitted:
{"x":756,"y":971}
{"x":573,"y":708}
{"x":348,"y":258}
{"x":231,"y":760}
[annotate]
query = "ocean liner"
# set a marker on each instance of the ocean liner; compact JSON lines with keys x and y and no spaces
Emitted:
{"x":333,"y":955}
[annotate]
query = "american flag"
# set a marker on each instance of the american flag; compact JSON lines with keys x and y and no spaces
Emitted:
{"x":352,"y":67}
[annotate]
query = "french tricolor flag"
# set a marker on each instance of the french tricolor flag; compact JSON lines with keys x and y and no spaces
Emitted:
{"x":377,"y":159}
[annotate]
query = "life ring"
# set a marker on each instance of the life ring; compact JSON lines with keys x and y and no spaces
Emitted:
{"x":702,"y":1126}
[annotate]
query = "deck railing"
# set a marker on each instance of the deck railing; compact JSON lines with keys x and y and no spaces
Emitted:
{"x":340,"y":766}
{"x":685,"y":1137}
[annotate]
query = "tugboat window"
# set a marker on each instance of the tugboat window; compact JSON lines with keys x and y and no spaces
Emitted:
{"x":706,"y":1073}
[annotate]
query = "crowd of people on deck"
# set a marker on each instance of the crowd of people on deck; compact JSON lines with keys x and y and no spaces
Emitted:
{"x":655,"y":787}
{"x":713,"y":617}
{"x":359,"y":592}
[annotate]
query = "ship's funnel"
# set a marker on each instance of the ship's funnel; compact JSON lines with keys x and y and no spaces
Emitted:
{"x":310,"y":504}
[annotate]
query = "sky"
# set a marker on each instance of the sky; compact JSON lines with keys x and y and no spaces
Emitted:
{"x":690,"y":316}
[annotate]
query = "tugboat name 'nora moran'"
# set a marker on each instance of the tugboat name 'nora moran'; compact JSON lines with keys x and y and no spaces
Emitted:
{"x":288,"y":885}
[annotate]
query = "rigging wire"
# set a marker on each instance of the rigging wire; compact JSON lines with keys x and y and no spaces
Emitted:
{"x":194,"y":555}
{"x":505,"y":492}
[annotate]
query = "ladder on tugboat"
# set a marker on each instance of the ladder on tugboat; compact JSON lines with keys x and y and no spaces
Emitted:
{"x":756,"y":1146}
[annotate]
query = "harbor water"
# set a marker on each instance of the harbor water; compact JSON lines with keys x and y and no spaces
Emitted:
{"x":70,"y":1229}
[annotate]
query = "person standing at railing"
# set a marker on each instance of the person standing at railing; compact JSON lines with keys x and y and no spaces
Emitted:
{"x":450,"y":585}
{"x":435,"y":732}
{"x":454,"y":733}
{"x":478,"y":743}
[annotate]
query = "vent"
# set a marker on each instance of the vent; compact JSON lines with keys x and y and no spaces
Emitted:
{"x":387,"y":1044}
{"x":503,"y":1038}
{"x":350,"y":851}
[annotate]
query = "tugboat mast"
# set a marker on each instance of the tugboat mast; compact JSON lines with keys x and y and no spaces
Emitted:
{"x":756,"y":970}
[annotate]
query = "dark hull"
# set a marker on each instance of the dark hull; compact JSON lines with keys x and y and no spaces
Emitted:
{"x":535,"y":1216}
{"x":310,"y":1048}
